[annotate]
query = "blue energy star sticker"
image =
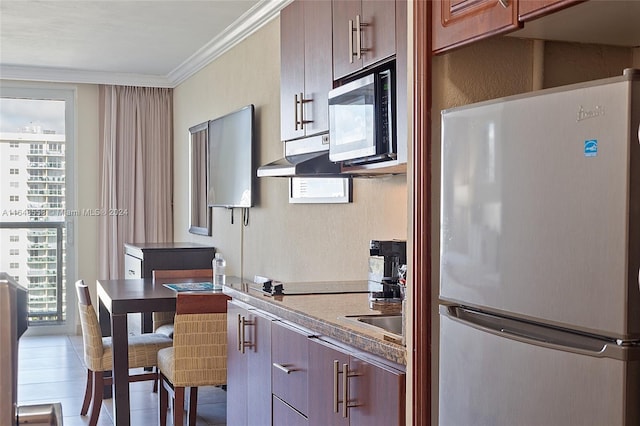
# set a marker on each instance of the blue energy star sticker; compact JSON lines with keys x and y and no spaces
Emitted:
{"x":591,"y":148}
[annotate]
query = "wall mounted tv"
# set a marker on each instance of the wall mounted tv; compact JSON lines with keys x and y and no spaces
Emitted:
{"x":231,"y":159}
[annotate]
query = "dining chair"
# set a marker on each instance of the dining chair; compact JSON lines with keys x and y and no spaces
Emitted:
{"x":98,"y":354}
{"x":163,"y":321}
{"x":198,"y":356}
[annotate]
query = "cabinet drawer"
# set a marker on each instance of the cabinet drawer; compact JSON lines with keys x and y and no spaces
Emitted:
{"x":290,"y":365}
{"x":284,"y":415}
{"x":132,"y":267}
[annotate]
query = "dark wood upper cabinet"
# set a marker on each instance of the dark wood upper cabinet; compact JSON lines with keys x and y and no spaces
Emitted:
{"x":531,"y":9}
{"x":364,"y":32}
{"x":305,"y":68}
{"x":456,"y":23}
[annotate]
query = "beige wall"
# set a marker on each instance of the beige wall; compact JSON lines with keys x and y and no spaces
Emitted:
{"x":504,"y":66}
{"x":289,"y":242}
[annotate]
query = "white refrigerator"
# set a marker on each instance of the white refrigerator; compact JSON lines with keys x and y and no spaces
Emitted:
{"x":540,"y":258}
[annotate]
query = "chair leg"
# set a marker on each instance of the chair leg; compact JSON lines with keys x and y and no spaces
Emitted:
{"x":193,"y":404}
{"x":87,"y":393}
{"x":98,"y":389}
{"x":178,"y":406}
{"x":155,"y":382}
{"x":164,"y":402}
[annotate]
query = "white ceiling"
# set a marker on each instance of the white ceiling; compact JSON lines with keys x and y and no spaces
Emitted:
{"x":142,"y":42}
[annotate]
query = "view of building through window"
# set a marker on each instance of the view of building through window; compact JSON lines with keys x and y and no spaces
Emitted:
{"x":32,"y":203}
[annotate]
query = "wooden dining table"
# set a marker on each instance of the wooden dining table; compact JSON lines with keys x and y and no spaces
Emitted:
{"x":116,"y":299}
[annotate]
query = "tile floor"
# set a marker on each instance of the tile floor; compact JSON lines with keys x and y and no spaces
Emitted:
{"x":51,"y":370}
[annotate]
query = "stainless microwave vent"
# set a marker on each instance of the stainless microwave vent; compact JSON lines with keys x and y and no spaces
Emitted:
{"x":307,"y":157}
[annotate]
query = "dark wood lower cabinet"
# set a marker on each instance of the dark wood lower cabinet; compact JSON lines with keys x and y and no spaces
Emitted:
{"x":248,"y":366}
{"x":374,"y":393}
{"x":290,"y":364}
{"x":281,"y":374}
{"x":284,"y":415}
{"x":325,"y":404}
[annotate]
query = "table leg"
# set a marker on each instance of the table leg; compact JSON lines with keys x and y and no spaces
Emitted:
{"x":104,"y":317}
{"x":120,"y":370}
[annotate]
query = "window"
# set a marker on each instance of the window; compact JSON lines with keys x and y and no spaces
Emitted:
{"x":42,"y":174}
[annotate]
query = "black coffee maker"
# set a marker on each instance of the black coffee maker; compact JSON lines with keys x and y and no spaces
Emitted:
{"x":387,"y":270}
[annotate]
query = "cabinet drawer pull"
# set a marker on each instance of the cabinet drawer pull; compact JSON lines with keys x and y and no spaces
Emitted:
{"x":283,"y":368}
{"x":131,"y":272}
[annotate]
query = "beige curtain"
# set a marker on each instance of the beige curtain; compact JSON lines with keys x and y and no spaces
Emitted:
{"x":136,"y":176}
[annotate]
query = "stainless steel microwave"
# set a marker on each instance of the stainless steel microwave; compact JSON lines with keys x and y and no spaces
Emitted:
{"x":362,"y":119}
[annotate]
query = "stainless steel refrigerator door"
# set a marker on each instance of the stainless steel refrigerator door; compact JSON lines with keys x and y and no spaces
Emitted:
{"x":539,"y":206}
{"x":489,"y":378}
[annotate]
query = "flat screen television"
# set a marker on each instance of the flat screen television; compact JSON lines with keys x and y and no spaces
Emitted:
{"x":230,"y":152}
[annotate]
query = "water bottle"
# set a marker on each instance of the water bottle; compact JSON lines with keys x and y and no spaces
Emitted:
{"x":218,"y":270}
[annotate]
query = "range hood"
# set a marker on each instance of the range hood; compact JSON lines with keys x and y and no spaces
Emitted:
{"x":308,"y":157}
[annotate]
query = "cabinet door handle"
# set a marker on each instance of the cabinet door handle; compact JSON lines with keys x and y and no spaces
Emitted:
{"x":240,"y":334}
{"x":132,"y":272}
{"x":345,"y":390}
{"x":350,"y":33}
{"x":283,"y":368}
{"x":359,"y":26}
{"x":336,"y":367}
{"x":295,"y":109}
{"x":243,"y":342}
{"x":504,"y":3}
{"x":302,"y":111}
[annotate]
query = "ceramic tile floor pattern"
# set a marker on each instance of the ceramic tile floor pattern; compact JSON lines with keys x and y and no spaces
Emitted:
{"x":51,"y":370}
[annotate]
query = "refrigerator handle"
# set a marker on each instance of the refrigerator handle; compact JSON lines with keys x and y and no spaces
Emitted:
{"x":539,"y":335}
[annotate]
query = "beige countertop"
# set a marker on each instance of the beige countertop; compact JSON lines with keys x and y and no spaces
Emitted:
{"x":326,"y":315}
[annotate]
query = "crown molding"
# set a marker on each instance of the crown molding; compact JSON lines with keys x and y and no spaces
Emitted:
{"x":63,"y":75}
{"x":252,"y":20}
